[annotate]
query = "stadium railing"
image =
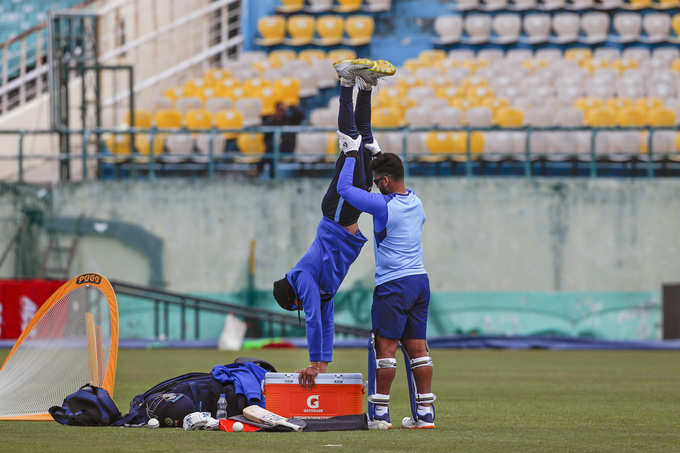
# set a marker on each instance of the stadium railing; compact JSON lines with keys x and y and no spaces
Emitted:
{"x":152,"y":168}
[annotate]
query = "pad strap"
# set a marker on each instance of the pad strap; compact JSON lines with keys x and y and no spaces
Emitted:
{"x":421,"y":361}
{"x":389,"y":362}
{"x":427,"y":398}
{"x":379,"y":398}
{"x":348,"y":143}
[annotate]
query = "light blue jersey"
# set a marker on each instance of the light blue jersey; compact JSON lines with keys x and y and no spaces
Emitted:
{"x":397,"y":224}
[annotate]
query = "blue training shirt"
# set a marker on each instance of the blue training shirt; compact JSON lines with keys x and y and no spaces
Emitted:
{"x":397,"y":226}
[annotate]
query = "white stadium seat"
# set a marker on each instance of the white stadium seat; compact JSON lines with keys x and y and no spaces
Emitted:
{"x":495,"y":5}
{"x":657,"y":26}
{"x":478,"y":28}
{"x":507,"y":27}
{"x":449,"y":28}
{"x":478,"y":117}
{"x":596,"y":27}
{"x":465,"y":5}
{"x":640,"y":54}
{"x":522,"y":5}
{"x":537,"y":27}
{"x":628,"y":26}
{"x":607,"y":53}
{"x":566,"y":26}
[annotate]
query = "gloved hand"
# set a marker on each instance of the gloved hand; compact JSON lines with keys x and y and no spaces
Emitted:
{"x":349,"y":146}
{"x":374,"y":147}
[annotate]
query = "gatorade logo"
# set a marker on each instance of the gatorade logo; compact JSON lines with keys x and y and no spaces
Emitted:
{"x":88,"y":278}
{"x":313,"y":402}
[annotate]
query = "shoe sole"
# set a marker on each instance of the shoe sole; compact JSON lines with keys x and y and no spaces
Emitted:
{"x":422,"y":427}
{"x":382,"y":67}
{"x":365,"y":62}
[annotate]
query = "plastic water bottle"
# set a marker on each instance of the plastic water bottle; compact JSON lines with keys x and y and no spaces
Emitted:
{"x":221,"y":407}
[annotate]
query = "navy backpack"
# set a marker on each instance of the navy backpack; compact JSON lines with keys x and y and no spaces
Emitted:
{"x":89,"y":406}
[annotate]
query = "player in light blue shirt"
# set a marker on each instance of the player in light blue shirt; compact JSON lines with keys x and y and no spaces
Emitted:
{"x":402,"y":289}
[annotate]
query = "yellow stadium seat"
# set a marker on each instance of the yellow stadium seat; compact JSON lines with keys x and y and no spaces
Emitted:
{"x":341,"y":54}
{"x":677,"y":142}
{"x":587,"y":103}
{"x":225,"y":87}
{"x":252,"y":145}
{"x":229,"y":119}
{"x":578,"y":54}
{"x":288,"y":90}
{"x":462,"y":104}
{"x":661,"y":117}
{"x":600,"y":117}
{"x":193,"y":88}
{"x":253,"y":87}
{"x":173,"y":94}
{"x":119,"y":145}
{"x":440,"y":142}
{"x":280,"y":56}
{"x":625,"y":64}
{"x":676,"y":63}
{"x":386,"y":118}
{"x":359,"y":28}
{"x":198,"y":119}
{"x":348,"y":6}
{"x":290,"y":6}
{"x":300,"y":29}
{"x":618,"y":103}
{"x":330,"y":30}
{"x":142,"y":119}
{"x":269,"y":100}
{"x":631,"y":117}
{"x":272,"y":29}
{"x":638,"y":4}
{"x":649,"y":103}
{"x":311,"y":55}
{"x":432,"y":56}
{"x":667,"y":4}
{"x":675,"y":25}
{"x":509,"y":117}
{"x":168,"y":119}
{"x":460,"y":142}
{"x":143,"y":146}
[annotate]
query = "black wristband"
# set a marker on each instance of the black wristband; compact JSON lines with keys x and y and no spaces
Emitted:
{"x":353,"y":153}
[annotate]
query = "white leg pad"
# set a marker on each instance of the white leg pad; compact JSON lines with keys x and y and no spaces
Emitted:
{"x":421,"y":361}
{"x":386,"y":363}
{"x":425,"y":398}
{"x":379,"y":398}
{"x":348,"y":143}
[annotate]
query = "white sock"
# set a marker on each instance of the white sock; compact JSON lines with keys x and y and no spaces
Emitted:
{"x":380,"y":409}
{"x":424,"y":410}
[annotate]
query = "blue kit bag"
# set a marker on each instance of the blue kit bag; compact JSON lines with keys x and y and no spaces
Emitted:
{"x":89,"y":406}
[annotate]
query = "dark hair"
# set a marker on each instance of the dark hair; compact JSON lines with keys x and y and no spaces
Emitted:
{"x":388,"y":164}
{"x":284,"y":294}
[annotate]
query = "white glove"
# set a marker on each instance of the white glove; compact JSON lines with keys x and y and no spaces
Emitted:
{"x":374,"y":147}
{"x":348,"y":144}
{"x":200,"y":421}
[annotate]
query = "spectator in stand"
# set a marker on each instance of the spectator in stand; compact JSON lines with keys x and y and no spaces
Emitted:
{"x":285,"y":115}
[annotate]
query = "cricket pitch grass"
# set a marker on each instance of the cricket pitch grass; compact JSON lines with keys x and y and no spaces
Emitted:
{"x":488,"y":401}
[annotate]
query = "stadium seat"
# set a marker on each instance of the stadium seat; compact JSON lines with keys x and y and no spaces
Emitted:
{"x":569,"y":117}
{"x":330,"y":30}
{"x":675,"y":24}
{"x":638,"y":4}
{"x":495,"y":5}
{"x":311,"y":55}
{"x":348,"y":6}
{"x":666,"y":4}
{"x":203,"y":147}
{"x":173,"y":94}
{"x":269,"y":99}
{"x":119,"y":146}
{"x":323,"y":117}
{"x":375,"y":6}
{"x":566,"y":26}
{"x":507,"y":27}
{"x":359,"y":30}
{"x":600,"y":117}
{"x":142,"y":119}
{"x":180,"y":147}
{"x":279,"y":57}
{"x":596,"y":27}
{"x":314,"y":146}
{"x":466,"y":5}
{"x":657,"y":26}
{"x":478,"y":28}
{"x":522,"y":5}
{"x":448,"y":117}
{"x":509,"y":117}
{"x":550,"y":5}
{"x":252,"y":145}
{"x":163,"y":103}
{"x":340,"y":54}
{"x":479,"y":117}
{"x":309,"y":84}
{"x":189,"y":103}
{"x":449,"y":28}
{"x":229,"y":119}
{"x":253,"y":87}
{"x":290,"y":6}
{"x":667,"y":54}
{"x":143,"y":146}
{"x":386,"y":118}
{"x":198,"y":119}
{"x":226,"y":88}
{"x":168,"y":119}
{"x":318,"y":6}
{"x":212,"y":77}
{"x":537,"y":27}
{"x":251,"y":108}
{"x":637,"y":53}
{"x":272,"y":29}
{"x":490,"y":54}
{"x":288,"y":90}
{"x":661,"y":117}
{"x":579,"y":5}
{"x":607,"y":53}
{"x":300,"y":29}
{"x":216,"y":104}
{"x":419,"y":117}
{"x":440,"y":142}
{"x":628,"y":26}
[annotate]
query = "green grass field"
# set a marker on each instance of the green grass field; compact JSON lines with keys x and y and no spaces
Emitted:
{"x":543,"y":401}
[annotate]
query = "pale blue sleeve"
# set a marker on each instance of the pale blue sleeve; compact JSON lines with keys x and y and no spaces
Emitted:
{"x":372,"y":203}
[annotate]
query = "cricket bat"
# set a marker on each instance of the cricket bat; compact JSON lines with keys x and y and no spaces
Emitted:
{"x":259,"y":415}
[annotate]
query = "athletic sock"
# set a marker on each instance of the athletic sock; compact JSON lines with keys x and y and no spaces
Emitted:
{"x":424,"y":410}
{"x":381,"y":410}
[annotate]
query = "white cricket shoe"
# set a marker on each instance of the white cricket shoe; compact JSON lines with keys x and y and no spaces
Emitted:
{"x":409,"y":423}
{"x":348,"y":70}
{"x":368,"y":77}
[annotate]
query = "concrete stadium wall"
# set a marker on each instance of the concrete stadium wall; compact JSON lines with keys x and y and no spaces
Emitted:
{"x":499,"y":235}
